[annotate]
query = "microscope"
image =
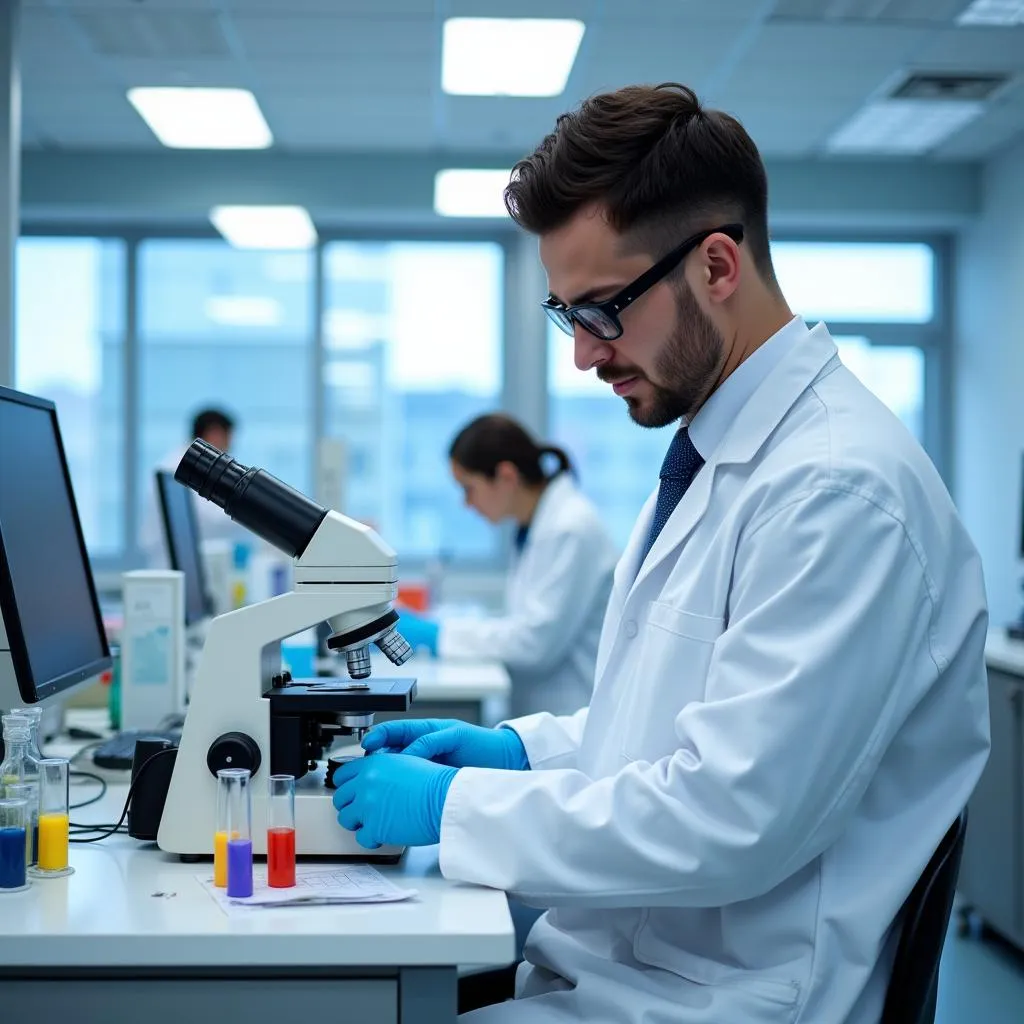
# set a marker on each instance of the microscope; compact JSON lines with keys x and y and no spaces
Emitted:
{"x":244,"y":711}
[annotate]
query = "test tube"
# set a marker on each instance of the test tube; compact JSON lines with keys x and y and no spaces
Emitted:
{"x":53,"y":819}
{"x":13,"y":821}
{"x":238,"y":799}
{"x":220,"y":830}
{"x":281,"y":831}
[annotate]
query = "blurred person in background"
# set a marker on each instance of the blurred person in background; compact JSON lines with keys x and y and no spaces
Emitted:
{"x":559,"y":578}
{"x":216,"y":427}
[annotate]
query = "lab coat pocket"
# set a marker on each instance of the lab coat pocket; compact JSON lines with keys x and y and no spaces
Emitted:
{"x":671,"y":668}
{"x":735,"y":993}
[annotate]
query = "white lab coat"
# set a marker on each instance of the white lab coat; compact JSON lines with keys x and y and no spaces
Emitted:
{"x":556,"y":594}
{"x":790,"y":710}
{"x":213,"y":523}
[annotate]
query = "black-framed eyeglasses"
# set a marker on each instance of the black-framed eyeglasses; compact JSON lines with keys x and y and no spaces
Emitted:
{"x":602,"y":318}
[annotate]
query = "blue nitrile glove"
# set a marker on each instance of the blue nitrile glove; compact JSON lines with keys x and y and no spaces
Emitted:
{"x":449,"y":741}
{"x":392,"y":799}
{"x":418,"y":631}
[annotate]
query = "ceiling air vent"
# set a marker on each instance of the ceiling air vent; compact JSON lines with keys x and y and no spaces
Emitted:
{"x":949,"y":86}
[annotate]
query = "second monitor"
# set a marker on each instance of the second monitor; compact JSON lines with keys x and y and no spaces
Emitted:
{"x":181,"y":533}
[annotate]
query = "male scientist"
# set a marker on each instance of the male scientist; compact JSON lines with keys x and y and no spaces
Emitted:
{"x":790,"y":701}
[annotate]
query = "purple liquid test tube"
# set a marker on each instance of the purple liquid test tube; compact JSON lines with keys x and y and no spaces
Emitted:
{"x":239,"y":828}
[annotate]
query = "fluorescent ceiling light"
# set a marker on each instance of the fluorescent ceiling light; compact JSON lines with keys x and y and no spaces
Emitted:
{"x":265,"y":227}
{"x":509,"y":56}
{"x":244,"y":310}
{"x":993,"y":12}
{"x":895,"y":127}
{"x":192,"y":118}
{"x":461,"y":192}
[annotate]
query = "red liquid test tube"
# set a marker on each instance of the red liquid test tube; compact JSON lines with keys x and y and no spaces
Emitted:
{"x":281,"y":831}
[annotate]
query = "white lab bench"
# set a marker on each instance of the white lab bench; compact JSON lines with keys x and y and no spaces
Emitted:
{"x":133,"y":935}
{"x":991,"y":882}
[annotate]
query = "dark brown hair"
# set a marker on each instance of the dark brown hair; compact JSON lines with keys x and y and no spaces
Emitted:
{"x":481,"y":445}
{"x":661,"y":165}
{"x":208,"y":419}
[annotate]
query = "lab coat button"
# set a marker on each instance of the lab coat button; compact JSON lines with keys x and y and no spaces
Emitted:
{"x":631,"y":629}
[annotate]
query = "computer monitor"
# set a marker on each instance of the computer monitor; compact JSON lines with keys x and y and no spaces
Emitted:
{"x":51,"y":631}
{"x":181,"y":534}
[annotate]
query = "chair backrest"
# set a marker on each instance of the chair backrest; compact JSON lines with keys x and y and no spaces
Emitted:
{"x":913,"y":985}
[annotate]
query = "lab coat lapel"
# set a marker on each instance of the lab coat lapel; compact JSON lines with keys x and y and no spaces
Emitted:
{"x":774,"y":397}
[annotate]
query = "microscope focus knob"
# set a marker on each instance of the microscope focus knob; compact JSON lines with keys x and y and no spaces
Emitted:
{"x":233,"y":750}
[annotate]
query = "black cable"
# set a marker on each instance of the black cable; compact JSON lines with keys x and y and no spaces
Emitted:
{"x":77,"y":772}
{"x":127,"y":800}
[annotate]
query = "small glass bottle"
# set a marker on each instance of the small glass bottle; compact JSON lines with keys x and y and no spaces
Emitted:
{"x":34,"y":716}
{"x":13,"y":819}
{"x":53,"y":819}
{"x":21,"y":767}
{"x":239,"y":830}
{"x":281,"y":831}
{"x":29,"y":792}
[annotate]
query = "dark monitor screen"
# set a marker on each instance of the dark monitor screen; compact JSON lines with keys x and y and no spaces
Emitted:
{"x":48,"y":598}
{"x":181,"y":534}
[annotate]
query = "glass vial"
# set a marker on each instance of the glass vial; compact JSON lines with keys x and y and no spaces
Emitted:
{"x":13,"y":819}
{"x":220,"y":830}
{"x":239,"y":830}
{"x":281,"y":831}
{"x":20,"y":767}
{"x":29,"y":792}
{"x":53,"y":819}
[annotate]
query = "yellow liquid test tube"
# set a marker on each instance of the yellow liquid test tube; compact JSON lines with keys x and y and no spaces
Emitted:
{"x":220,"y":858}
{"x":53,"y":820}
{"x":53,"y":842}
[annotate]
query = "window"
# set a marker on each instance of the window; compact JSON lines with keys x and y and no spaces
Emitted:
{"x":617,"y":461}
{"x":895,"y":373}
{"x":229,"y":328}
{"x":858,"y":282}
{"x":69,"y":348}
{"x":412,"y":351}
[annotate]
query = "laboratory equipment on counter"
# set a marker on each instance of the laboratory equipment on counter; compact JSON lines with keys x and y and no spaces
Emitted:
{"x":20,"y":767}
{"x":13,"y":820}
{"x":281,"y":831}
{"x":244,"y":711}
{"x":235,"y":783}
{"x":53,"y":820}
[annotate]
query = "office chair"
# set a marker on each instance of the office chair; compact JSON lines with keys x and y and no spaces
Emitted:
{"x":913,"y":985}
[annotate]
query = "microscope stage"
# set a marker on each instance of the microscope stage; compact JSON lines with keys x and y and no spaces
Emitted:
{"x":346,"y":696}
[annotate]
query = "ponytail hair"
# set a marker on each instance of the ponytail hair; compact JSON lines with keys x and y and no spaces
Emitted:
{"x":489,"y":440}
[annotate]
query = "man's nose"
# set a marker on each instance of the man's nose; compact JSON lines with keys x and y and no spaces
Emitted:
{"x":588,"y":351}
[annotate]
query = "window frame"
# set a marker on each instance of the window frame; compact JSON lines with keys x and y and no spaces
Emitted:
{"x":524,"y":342}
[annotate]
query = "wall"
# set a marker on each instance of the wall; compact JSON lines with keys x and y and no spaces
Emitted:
{"x":378,"y":189}
{"x":989,"y":380}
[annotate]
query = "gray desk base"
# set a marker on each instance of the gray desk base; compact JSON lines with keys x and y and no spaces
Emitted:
{"x":404,"y":995}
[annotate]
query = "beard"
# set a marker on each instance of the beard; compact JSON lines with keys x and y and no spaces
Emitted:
{"x":688,"y":365}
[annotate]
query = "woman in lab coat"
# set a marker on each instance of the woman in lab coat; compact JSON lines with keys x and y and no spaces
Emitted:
{"x":559,"y":578}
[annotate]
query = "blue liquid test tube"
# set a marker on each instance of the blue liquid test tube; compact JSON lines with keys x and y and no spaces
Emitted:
{"x":14,"y":816}
{"x":238,"y":805}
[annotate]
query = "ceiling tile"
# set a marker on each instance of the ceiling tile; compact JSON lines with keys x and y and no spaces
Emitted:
{"x":387,"y":39}
{"x":363,"y":76}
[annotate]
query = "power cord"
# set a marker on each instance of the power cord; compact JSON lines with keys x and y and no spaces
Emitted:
{"x":77,"y":774}
{"x":108,"y":829}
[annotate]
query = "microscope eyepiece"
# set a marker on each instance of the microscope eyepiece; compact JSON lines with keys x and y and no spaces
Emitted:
{"x":279,"y":514}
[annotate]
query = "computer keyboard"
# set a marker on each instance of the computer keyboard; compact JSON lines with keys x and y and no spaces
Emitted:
{"x":117,"y":752}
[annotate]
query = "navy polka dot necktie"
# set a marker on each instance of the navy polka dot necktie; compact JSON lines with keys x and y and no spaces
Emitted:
{"x":681,"y":463}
